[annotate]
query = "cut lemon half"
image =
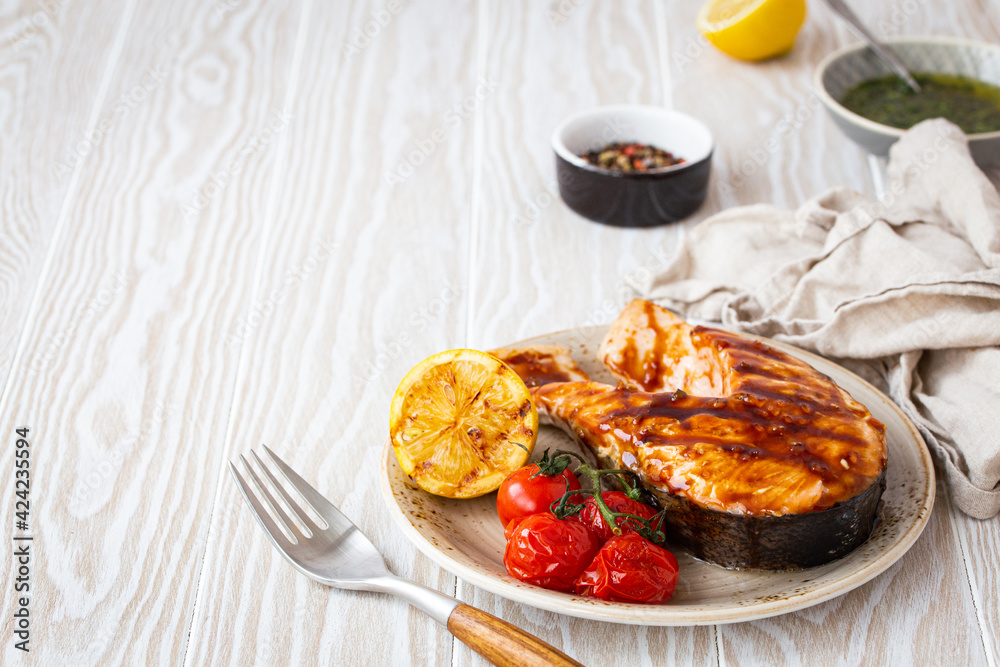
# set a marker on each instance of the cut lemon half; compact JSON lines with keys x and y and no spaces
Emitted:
{"x":456,"y":421}
{"x":752,"y":29}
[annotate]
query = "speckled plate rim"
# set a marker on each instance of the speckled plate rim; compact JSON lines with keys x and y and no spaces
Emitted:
{"x":673,"y":614}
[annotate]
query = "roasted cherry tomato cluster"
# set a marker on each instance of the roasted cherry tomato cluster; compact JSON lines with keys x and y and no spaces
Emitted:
{"x":603,"y":544}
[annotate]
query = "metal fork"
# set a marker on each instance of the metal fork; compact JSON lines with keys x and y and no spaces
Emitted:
{"x":340,"y":555}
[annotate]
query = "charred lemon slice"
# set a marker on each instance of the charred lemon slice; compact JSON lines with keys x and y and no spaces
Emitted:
{"x":456,"y":421}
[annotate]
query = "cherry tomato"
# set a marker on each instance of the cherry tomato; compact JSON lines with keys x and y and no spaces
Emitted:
{"x":549,"y":552}
{"x":522,"y":495}
{"x":617,"y":502}
{"x":512,"y":526}
{"x":630,"y":568}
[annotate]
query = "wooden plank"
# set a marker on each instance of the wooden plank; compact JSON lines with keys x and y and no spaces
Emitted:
{"x":53,"y":56}
{"x":979,"y":540}
{"x":363,"y":275}
{"x":774,"y":142}
{"x":127,"y":416}
{"x":782,"y":114}
{"x":970,"y":19}
{"x":915,"y":612}
{"x":532,"y":251}
{"x":594,"y":642}
{"x":198,"y":255}
{"x":973,"y":19}
{"x":540,"y":267}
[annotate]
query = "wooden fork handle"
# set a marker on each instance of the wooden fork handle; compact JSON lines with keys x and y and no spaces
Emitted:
{"x":502,"y":643}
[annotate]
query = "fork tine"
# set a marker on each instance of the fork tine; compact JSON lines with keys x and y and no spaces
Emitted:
{"x":263,"y":517}
{"x":292,"y":503}
{"x":292,"y":528}
{"x":323,"y":507}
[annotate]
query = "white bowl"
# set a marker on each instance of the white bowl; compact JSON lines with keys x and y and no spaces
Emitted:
{"x":843,"y":69}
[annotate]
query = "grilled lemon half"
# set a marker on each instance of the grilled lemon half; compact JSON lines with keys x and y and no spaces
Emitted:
{"x":457,"y":420}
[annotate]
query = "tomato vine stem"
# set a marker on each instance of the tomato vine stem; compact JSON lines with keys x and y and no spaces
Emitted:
{"x":572,"y":502}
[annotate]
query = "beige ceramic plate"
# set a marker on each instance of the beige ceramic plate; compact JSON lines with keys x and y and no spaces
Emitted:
{"x":465,"y":536}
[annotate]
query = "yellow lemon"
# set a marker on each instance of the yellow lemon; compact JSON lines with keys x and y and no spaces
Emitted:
{"x":456,"y":421}
{"x":752,"y":29}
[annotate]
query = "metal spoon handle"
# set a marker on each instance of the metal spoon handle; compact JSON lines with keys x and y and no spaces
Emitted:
{"x":887,"y":55}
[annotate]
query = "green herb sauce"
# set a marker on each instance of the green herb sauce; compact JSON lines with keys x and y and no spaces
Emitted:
{"x":971,"y":104}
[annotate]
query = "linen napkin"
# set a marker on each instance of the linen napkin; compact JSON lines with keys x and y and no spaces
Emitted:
{"x":904,"y":291}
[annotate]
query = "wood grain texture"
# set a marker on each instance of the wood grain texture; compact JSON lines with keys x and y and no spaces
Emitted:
{"x":128,"y":405}
{"x":980,"y":20}
{"x":595,"y":643}
{"x":501,"y":643}
{"x":774,"y":141}
{"x":907,"y":615}
{"x":770,"y":155}
{"x":544,"y":268}
{"x":905,"y":612}
{"x":327,"y":339}
{"x":551,"y":60}
{"x":979,"y":540}
{"x":52,"y":57}
{"x":278,"y":209}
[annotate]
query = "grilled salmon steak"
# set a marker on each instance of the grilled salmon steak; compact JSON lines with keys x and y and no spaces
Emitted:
{"x":541,"y":364}
{"x":761,"y":460}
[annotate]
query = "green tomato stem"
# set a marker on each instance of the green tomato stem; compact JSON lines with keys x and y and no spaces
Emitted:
{"x":642,"y":526}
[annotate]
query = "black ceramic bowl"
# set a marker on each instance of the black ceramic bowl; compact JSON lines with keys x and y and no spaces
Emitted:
{"x":633,"y":199}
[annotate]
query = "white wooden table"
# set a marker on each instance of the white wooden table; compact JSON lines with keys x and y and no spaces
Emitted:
{"x":241,"y":221}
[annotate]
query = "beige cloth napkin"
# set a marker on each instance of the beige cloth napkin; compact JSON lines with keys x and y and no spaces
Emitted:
{"x":905,"y":291}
